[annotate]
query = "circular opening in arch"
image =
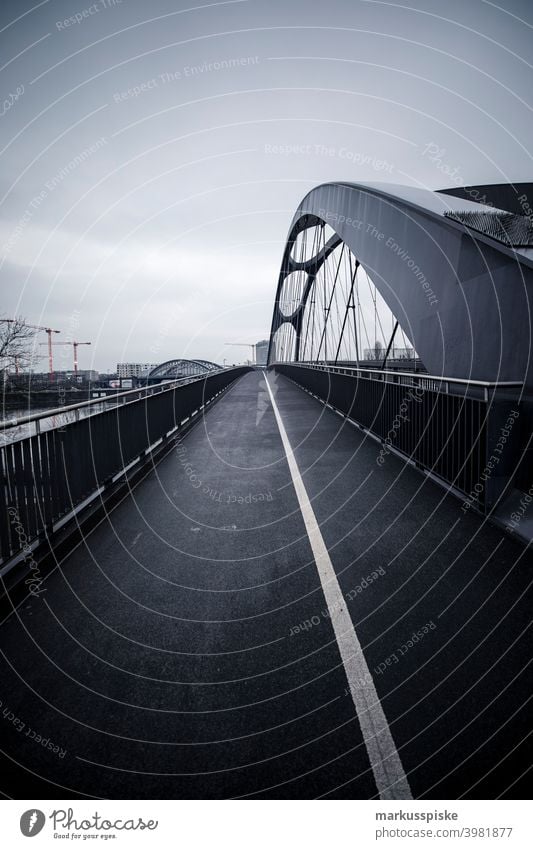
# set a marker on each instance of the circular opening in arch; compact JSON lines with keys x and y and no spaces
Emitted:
{"x":284,"y":344}
{"x":292,"y":292}
{"x":310,"y":241}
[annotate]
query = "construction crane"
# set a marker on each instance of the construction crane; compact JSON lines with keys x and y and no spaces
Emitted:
{"x":47,"y":330}
{"x":244,"y":345}
{"x":75,"y":349}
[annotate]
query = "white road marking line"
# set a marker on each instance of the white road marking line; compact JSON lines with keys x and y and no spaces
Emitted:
{"x":387,"y":767}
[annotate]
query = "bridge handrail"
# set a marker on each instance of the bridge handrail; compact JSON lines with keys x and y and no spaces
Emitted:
{"x":148,"y":390}
{"x":449,"y":433}
{"x":48,"y":479}
{"x":419,"y":376}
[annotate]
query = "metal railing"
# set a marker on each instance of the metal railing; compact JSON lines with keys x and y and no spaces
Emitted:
{"x":462,"y":431}
{"x":47,"y":476}
{"x":127,"y":396}
{"x":433,"y":382}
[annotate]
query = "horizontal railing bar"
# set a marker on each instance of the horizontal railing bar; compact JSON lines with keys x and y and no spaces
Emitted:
{"x":416,"y":375}
{"x":149,"y":390}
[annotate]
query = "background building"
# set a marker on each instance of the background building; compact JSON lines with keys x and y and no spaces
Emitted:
{"x":261,"y":352}
{"x":44,"y":378}
{"x":378,"y":352}
{"x":135,"y":369}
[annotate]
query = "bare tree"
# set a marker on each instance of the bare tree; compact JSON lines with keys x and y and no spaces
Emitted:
{"x":378,"y":350}
{"x":16,"y":344}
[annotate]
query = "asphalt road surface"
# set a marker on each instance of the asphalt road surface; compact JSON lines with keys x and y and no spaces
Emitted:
{"x":218,"y":636}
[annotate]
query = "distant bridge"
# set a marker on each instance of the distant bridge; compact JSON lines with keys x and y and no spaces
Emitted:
{"x":172,"y":369}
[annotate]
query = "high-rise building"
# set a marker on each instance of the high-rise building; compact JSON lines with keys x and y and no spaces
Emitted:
{"x":135,"y":369}
{"x":261,"y":352}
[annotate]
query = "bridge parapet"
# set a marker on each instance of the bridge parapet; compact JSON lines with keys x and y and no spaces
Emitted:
{"x":48,"y":478}
{"x":465,"y":433}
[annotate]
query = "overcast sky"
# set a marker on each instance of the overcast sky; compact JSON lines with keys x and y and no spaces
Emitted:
{"x":153,"y":154}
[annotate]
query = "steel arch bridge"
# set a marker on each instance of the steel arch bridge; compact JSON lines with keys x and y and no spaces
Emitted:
{"x":378,"y":282}
{"x":370,"y":270}
{"x":173,"y":369}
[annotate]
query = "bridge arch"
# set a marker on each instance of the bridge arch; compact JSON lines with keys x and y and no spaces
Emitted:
{"x":173,"y":369}
{"x":456,"y":274}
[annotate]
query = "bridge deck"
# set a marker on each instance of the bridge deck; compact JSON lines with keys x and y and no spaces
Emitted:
{"x":160,"y":658}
